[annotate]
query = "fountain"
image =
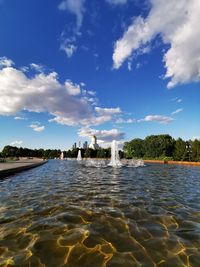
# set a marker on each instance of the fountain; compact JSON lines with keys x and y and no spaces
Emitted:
{"x":98,"y":163}
{"x":115,"y":160}
{"x":62,"y":156}
{"x":79,"y":158}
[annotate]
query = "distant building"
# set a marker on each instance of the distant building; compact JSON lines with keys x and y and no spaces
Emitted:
{"x":93,"y":144}
{"x":74,"y":146}
{"x":85,"y":145}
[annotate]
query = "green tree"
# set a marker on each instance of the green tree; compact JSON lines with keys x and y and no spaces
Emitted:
{"x":10,"y":151}
{"x":134,"y":148}
{"x":180,"y":152}
{"x":90,"y":153}
{"x":195,"y":146}
{"x":101,"y":153}
{"x":159,"y":146}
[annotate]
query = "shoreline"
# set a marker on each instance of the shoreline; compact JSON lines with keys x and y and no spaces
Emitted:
{"x":8,"y":169}
{"x":172,"y":162}
{"x":187,"y":163}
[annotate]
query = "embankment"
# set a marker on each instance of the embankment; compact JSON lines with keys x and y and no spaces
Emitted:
{"x":7,"y":169}
{"x":173,"y":162}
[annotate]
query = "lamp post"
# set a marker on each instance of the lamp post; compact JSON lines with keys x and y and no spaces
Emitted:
{"x":189,"y":150}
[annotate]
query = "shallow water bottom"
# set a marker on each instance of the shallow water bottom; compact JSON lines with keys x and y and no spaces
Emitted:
{"x":65,"y":214}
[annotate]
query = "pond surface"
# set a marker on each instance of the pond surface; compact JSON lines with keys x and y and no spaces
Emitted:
{"x":66,"y":214}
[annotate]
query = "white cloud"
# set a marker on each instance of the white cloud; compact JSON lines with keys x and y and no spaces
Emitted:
{"x":82,"y":84}
{"x":19,"y":118}
{"x":107,"y":111}
{"x":37,"y":67}
{"x":68,"y":47}
{"x":73,"y":89}
{"x":75,"y":7}
{"x":16,"y":143}
{"x":157,"y":118}
{"x":176,"y":99}
{"x":92,"y":93}
{"x":44,"y":93}
{"x":37,"y":128}
{"x":129,"y":65}
{"x":117,"y":2}
{"x":177,"y":111}
{"x":24,"y":69}
{"x":128,"y":121}
{"x":176,"y":22}
{"x":5,"y":62}
{"x":102,"y":135}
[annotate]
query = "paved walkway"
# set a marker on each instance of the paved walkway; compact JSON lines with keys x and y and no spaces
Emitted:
{"x":7,"y":169}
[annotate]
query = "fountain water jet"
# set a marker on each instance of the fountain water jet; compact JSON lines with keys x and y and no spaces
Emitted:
{"x":79,"y":157}
{"x":115,"y":160}
{"x":62,"y":156}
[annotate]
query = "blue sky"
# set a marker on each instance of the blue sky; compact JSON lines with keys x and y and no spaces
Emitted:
{"x":120,"y":69}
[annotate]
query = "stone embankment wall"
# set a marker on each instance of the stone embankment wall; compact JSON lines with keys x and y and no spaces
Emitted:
{"x":174,"y":162}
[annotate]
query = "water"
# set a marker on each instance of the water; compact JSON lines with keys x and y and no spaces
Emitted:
{"x":115,"y":160}
{"x":62,"y":156}
{"x":79,"y":158}
{"x":67,"y":214}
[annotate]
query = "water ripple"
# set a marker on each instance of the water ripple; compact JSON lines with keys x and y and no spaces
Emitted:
{"x":65,"y":214}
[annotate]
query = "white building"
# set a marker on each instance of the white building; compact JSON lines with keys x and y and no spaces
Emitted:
{"x":93,"y":143}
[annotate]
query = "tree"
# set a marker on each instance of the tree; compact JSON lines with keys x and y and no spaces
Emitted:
{"x":10,"y":151}
{"x":159,"y":146}
{"x":195,"y":146}
{"x":90,"y":153}
{"x":180,"y":152}
{"x":134,"y":148}
{"x":101,"y":153}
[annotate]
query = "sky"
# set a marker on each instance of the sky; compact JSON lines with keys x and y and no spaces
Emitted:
{"x":119,"y":69}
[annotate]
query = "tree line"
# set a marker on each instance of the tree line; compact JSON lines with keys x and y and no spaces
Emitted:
{"x":15,"y":152}
{"x":89,"y":153}
{"x":163,"y":147}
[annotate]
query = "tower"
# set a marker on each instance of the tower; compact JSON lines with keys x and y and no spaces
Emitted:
{"x":93,"y":143}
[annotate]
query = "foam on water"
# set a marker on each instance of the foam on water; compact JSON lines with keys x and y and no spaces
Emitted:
{"x":114,"y":161}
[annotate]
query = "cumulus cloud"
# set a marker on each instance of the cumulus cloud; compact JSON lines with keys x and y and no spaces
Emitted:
{"x":37,"y":128}
{"x":37,"y":67}
{"x":157,"y":118}
{"x":107,"y":111}
{"x":176,"y":22}
{"x":73,"y":89}
{"x":128,"y":121}
{"x":102,"y":135}
{"x":45,"y":93}
{"x":5,"y":62}
{"x":177,"y":111}
{"x":91,"y":120}
{"x":16,"y":143}
{"x":76,"y":7}
{"x":117,"y":2}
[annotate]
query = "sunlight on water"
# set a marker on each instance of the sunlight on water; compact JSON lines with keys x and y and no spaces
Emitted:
{"x":68,"y":214}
